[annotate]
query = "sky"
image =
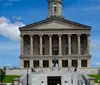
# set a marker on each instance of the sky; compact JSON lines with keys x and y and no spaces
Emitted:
{"x":18,"y":13}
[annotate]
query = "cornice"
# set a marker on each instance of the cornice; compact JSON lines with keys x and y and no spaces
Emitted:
{"x":54,"y":18}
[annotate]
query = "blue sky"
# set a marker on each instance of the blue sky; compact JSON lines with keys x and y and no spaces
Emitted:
{"x":16,"y":13}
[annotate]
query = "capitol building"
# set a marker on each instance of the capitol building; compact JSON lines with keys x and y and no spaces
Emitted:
{"x":55,"y":51}
{"x":55,"y":37}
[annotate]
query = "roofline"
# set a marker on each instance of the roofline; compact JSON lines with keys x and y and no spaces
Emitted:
{"x":55,"y":18}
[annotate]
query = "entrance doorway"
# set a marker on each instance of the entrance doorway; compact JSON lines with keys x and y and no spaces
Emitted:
{"x":54,"y":80}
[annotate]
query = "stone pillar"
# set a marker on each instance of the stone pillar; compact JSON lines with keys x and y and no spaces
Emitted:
{"x":31,"y":63}
{"x":79,"y":45}
{"x":50,"y":64}
{"x":69,"y":44}
{"x":41,"y":46}
{"x":60,"y":63}
{"x":21,"y":63}
{"x":88,"y":44}
{"x":22,"y":44}
{"x":88,"y":63}
{"x":50,"y":44}
{"x":41,"y":63}
{"x":31,"y":45}
{"x":79,"y":63}
{"x":60,"y":45}
{"x":69,"y":63}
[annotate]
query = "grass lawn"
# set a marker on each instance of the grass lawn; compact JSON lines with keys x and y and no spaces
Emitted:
{"x":10,"y":78}
{"x":95,"y":76}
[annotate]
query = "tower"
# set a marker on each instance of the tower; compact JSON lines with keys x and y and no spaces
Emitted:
{"x":55,"y":8}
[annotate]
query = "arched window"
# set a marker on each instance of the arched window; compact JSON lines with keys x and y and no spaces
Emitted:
{"x":55,"y":10}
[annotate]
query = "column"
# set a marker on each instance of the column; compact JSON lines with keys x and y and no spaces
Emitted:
{"x":88,"y":44}
{"x":88,"y":63}
{"x":50,"y":63}
{"x":79,"y":63}
{"x":69,"y":44}
{"x":31,"y":63}
{"x":41,"y":63}
{"x":79,"y":45}
{"x":60,"y":45}
{"x":50,"y":44}
{"x":60,"y":63}
{"x":41,"y":45}
{"x":31,"y":45}
{"x":69,"y":63}
{"x":21,"y":63}
{"x":22,"y":44}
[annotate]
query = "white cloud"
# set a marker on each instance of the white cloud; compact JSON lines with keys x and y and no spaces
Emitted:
{"x":9,"y":29}
{"x":7,"y":2}
{"x":92,"y":8}
{"x":95,"y":44}
{"x":17,"y":18}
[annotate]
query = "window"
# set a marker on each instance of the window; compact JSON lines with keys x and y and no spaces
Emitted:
{"x":84,"y":63}
{"x":55,"y":51}
{"x":55,"y":10}
{"x":74,"y":63}
{"x":26,"y":64}
{"x":64,"y":63}
{"x":45,"y":63}
{"x":36,"y":63}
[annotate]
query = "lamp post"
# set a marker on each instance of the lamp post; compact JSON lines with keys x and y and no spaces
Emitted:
{"x":27,"y":75}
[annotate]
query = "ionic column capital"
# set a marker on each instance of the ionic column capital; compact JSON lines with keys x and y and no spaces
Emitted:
{"x":50,"y":35}
{"x":31,"y":35}
{"x":78,"y":34}
{"x":88,"y":34}
{"x":59,"y":34}
{"x":69,"y":34}
{"x":40,"y":35}
{"x":21,"y":35}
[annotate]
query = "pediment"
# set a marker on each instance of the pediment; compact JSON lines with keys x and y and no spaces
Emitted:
{"x":54,"y":24}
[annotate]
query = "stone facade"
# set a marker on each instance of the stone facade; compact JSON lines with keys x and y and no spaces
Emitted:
{"x":56,"y":37}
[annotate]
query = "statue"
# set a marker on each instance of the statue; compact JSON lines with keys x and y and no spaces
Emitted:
{"x":54,"y":62}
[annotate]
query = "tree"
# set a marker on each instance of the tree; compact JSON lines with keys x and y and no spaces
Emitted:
{"x":2,"y":74}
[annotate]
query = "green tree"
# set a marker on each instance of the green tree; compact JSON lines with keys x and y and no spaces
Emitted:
{"x":2,"y":75}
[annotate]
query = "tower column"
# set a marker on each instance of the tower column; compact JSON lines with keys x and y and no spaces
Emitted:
{"x":41,"y":46}
{"x":55,"y":8}
{"x":69,"y":44}
{"x":60,"y":45}
{"x":22,"y":44}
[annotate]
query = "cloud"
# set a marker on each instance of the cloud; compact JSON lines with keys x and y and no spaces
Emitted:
{"x":9,"y":46}
{"x":92,"y":8}
{"x":7,"y":2}
{"x":17,"y":18}
{"x":9,"y":29}
{"x":95,"y":44}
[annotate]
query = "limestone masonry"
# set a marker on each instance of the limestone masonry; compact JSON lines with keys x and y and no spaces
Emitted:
{"x":55,"y":37}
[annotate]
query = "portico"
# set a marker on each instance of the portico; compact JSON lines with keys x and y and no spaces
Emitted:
{"x":55,"y":36}
{"x":59,"y":45}
{"x":68,"y":39}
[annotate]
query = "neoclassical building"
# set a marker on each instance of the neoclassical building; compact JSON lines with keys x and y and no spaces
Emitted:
{"x":67,"y":41}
